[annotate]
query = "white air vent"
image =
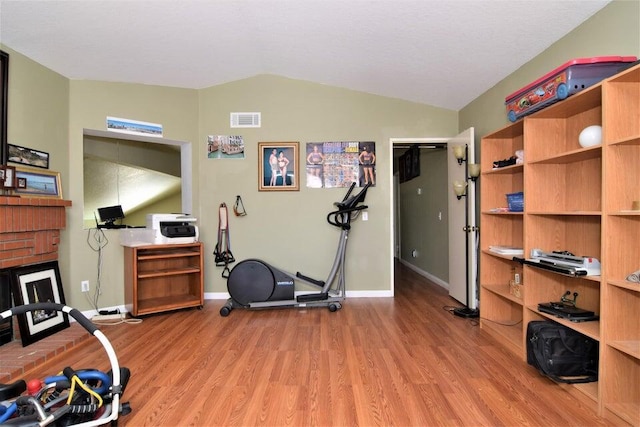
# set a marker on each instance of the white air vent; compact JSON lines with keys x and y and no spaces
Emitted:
{"x":245,"y":120}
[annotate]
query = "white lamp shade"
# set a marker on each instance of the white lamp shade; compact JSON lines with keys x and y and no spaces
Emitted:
{"x":458,"y":151}
{"x":459,"y":188}
{"x":474,"y":170}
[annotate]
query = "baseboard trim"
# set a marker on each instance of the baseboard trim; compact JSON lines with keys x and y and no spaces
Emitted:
{"x":425,"y":274}
{"x":350,"y":294}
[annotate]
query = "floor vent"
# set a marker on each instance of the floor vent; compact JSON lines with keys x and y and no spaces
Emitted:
{"x":245,"y":120}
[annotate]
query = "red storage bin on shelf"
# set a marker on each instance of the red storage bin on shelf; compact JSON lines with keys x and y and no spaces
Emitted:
{"x":566,"y":80}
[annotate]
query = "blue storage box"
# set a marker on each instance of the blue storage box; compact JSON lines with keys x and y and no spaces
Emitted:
{"x":515,"y":201}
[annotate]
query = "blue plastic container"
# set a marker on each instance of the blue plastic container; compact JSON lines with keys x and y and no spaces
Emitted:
{"x":515,"y":201}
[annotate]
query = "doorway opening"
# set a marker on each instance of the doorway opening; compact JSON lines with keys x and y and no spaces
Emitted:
{"x":441,"y":231}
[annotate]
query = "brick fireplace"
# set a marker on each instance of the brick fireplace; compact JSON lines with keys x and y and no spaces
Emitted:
{"x":30,"y":234}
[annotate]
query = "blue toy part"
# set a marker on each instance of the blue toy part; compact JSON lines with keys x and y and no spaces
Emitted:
{"x":562,"y":92}
{"x":105,"y":380}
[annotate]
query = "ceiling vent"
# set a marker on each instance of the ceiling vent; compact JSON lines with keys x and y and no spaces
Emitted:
{"x":245,"y":120}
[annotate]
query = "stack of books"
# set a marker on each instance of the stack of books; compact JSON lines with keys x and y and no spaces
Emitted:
{"x":506,"y":250}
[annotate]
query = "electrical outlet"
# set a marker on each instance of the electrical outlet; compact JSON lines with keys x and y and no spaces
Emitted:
{"x":84,"y":285}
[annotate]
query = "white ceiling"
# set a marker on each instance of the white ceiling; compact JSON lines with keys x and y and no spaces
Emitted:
{"x":439,"y":52}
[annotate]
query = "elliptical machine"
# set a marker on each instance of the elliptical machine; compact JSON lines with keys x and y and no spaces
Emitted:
{"x":254,"y":284}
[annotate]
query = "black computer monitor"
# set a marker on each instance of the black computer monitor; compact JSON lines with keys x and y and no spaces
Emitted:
{"x":110,"y":214}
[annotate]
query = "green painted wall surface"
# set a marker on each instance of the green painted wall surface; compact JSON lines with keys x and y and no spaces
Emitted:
{"x":289,"y":229}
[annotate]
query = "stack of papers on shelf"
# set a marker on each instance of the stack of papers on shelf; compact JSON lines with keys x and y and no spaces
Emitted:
{"x":506,"y":250}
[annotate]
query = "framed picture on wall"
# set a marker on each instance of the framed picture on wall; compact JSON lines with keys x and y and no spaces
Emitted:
{"x":27,"y":156}
{"x":38,"y":183}
{"x":38,"y":283}
{"x":7,"y":176}
{"x":278,"y":166}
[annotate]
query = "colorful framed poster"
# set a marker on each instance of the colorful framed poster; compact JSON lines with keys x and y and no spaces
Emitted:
{"x":338,"y":164}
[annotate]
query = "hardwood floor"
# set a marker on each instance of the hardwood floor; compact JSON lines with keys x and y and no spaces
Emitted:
{"x":403,"y":361}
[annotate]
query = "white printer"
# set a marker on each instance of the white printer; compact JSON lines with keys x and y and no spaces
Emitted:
{"x":162,"y":229}
{"x":172,"y":228}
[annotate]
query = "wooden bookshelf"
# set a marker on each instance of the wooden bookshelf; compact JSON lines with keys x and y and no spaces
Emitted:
{"x":160,"y":278}
{"x":576,"y":199}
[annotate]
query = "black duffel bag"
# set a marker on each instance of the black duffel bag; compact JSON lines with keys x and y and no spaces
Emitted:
{"x":562,"y":354}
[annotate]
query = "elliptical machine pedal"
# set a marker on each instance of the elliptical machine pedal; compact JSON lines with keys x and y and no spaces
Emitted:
{"x":322,"y":296}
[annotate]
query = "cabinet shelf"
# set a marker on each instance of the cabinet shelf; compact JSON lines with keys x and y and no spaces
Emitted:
{"x":566,"y":213}
{"x":590,"y":329}
{"x":506,"y":213}
{"x":627,"y":411}
{"x":630,"y":140}
{"x":160,"y":278}
{"x":510,"y":334}
{"x":588,"y":389}
{"x":168,"y":272}
{"x":631,"y":286}
{"x":632,"y":348}
{"x":504,"y":171}
{"x":507,"y":257}
{"x":161,"y":304}
{"x":503,"y":291}
{"x":573,"y":156}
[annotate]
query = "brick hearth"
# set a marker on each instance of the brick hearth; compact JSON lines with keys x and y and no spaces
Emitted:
{"x":30,"y":234}
{"x":16,"y":361}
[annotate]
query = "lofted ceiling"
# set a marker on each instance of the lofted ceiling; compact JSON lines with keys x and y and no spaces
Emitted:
{"x":443,"y":53}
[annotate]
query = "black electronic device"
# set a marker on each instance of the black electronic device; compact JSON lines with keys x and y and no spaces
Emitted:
{"x":567,"y":311}
{"x":109,"y":215}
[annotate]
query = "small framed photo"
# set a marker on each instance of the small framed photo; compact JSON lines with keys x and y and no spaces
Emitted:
{"x":38,"y":283}
{"x":27,"y":156}
{"x":38,"y":183}
{"x":22,"y":183}
{"x":7,"y":176}
{"x":278,"y":166}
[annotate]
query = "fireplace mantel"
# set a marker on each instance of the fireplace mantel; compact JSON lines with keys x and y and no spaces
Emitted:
{"x":30,"y":229}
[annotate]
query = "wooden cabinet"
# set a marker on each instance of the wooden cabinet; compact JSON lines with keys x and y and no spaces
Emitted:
{"x":163,"y":277}
{"x":576,"y":199}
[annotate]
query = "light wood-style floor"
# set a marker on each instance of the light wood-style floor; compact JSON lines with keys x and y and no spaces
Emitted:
{"x":403,"y":361}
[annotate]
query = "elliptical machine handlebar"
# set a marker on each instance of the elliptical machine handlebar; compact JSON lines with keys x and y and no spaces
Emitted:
{"x":342,"y":217}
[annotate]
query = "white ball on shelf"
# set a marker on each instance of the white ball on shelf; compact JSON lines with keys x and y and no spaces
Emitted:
{"x":590,"y":136}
